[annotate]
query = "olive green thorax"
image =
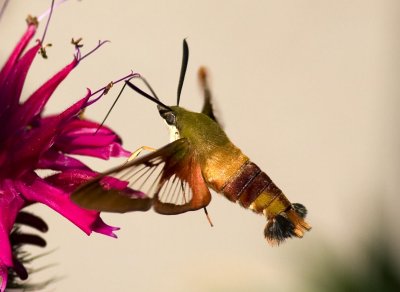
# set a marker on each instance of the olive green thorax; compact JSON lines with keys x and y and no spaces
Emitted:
{"x":203,"y":133}
{"x":219,"y":158}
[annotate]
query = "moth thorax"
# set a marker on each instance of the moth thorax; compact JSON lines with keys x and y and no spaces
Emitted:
{"x":173,"y":132}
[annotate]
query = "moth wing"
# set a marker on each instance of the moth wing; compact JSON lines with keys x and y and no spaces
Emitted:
{"x":170,"y":178}
{"x":208,"y":108}
{"x":92,"y":195}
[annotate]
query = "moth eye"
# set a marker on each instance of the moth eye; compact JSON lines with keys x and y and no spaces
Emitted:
{"x":170,"y":119}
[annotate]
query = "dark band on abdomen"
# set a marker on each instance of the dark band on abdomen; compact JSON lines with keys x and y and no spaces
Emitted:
{"x":249,"y":184}
{"x":233,"y":189}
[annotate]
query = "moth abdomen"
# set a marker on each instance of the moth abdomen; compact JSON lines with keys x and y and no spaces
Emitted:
{"x":235,"y":187}
{"x":253,"y":189}
{"x":248,"y":184}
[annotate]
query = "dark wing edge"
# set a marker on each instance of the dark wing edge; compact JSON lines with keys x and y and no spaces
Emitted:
{"x":92,"y":195}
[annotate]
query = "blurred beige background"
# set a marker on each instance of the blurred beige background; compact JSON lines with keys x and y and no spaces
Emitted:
{"x":308,"y":89}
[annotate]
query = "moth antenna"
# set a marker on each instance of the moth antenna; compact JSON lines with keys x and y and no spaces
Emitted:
{"x":146,"y":95}
{"x":208,"y":217}
{"x":185,"y":60}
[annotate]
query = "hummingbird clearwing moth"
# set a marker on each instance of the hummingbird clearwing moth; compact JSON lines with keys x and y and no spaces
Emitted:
{"x":176,"y":178}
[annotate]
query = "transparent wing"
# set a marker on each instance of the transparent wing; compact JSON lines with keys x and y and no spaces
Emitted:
{"x":168,"y":179}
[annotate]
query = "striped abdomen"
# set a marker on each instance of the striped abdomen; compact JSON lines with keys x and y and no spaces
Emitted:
{"x":252,"y":188}
{"x":249,"y":184}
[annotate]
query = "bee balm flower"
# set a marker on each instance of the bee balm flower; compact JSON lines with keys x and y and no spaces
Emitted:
{"x":30,"y":141}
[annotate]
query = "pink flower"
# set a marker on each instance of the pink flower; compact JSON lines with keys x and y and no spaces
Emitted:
{"x":30,"y":141}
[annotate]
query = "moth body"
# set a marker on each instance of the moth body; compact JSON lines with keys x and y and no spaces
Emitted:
{"x":229,"y":172}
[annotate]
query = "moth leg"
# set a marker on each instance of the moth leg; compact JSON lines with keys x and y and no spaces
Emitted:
{"x":138,"y":151}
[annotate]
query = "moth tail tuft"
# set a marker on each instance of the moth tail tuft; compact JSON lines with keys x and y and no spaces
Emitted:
{"x":288,"y":224}
{"x":300,"y":210}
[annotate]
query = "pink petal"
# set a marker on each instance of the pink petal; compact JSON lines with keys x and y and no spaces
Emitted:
{"x":81,"y":137}
{"x":80,"y":141}
{"x":69,"y":180}
{"x":10,"y":204}
{"x":85,"y":134}
{"x":3,"y":276}
{"x":100,"y":227}
{"x":105,"y":152}
{"x":27,"y":151}
{"x":84,"y":126}
{"x":17,"y":52}
{"x":56,"y":160}
{"x":12,"y":87}
{"x":40,"y":191}
{"x":36,"y":102}
{"x":75,"y":109}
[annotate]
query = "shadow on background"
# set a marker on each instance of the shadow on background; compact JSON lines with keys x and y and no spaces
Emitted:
{"x":375,"y":269}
